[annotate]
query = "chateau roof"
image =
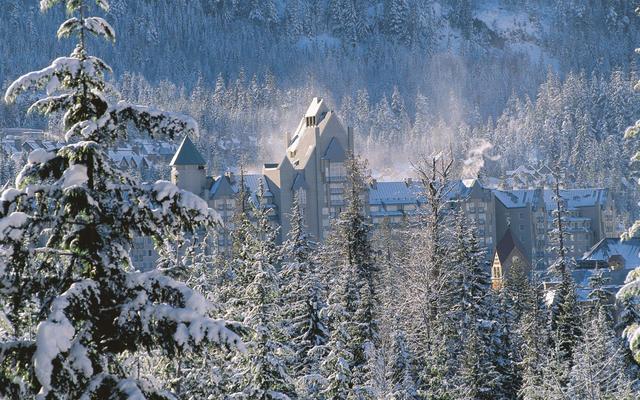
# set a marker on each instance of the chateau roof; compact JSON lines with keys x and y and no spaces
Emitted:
{"x":507,"y":244}
{"x":335,"y":152}
{"x":299,"y":182}
{"x":187,"y":154}
{"x":607,"y":248}
{"x":391,"y":193}
{"x":314,"y":107}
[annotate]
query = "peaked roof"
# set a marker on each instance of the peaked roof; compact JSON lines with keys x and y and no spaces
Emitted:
{"x":314,"y":107}
{"x":299,"y":182}
{"x":187,"y":154}
{"x":609,"y":247}
{"x":507,"y":244}
{"x":334,"y":151}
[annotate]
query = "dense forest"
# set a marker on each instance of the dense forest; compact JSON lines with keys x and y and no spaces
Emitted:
{"x":403,"y":312}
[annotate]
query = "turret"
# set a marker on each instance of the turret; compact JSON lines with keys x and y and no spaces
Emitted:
{"x":188,"y":168}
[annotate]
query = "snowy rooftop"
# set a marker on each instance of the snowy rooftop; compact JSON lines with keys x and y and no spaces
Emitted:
{"x":392,"y":193}
{"x":577,"y":197}
{"x":604,"y":249}
{"x":314,"y":107}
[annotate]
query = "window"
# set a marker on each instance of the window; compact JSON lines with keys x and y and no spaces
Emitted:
{"x":335,"y":170}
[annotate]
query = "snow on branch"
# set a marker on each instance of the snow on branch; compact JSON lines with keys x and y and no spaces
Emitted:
{"x":96,"y":25}
{"x":61,"y":71}
{"x":166,"y":193}
{"x":12,"y":226}
{"x":55,"y":335}
{"x":117,"y":387}
{"x":193,"y":326}
{"x":52,"y":104}
{"x":113,"y":124}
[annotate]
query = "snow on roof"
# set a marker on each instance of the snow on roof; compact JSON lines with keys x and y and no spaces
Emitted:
{"x":187,"y":154}
{"x":314,"y":107}
{"x":576,"y":197}
{"x":392,"y":193}
{"x":606,"y":248}
{"x":515,"y":198}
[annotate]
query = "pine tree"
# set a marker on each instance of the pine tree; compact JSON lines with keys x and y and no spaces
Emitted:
{"x":353,"y":299}
{"x":565,"y":320}
{"x":599,"y":368}
{"x":263,"y":373}
{"x":67,"y":230}
{"x":629,"y":295}
{"x":397,"y":20}
{"x":533,"y":331}
{"x":303,"y":304}
{"x":401,"y":374}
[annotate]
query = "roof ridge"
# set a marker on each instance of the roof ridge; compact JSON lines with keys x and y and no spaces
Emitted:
{"x":187,"y":154}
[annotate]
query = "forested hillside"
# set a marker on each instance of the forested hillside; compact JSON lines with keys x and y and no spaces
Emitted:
{"x":397,"y":312}
{"x":474,"y":54}
{"x":419,"y":75}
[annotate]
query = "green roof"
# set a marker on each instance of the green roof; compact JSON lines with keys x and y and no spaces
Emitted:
{"x":187,"y":154}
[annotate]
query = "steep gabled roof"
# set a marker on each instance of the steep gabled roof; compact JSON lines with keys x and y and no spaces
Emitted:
{"x":335,"y":152}
{"x":299,"y":182}
{"x":222,"y":187}
{"x":187,"y":154}
{"x":507,"y":244}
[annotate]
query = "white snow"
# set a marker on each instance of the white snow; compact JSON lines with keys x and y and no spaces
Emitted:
{"x":55,"y":335}
{"x":79,"y":359}
{"x":191,"y":320}
{"x":130,"y":389}
{"x":549,"y":298}
{"x":165,"y":190}
{"x":75,"y":175}
{"x":10,"y":194}
{"x":99,"y":26}
{"x":53,"y":338}
{"x":11,"y":225}
{"x":53,"y":85}
{"x":40,"y":156}
{"x":190,"y":200}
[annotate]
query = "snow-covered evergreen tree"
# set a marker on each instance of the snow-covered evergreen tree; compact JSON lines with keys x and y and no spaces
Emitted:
{"x":263,"y":372}
{"x":353,"y":301}
{"x":563,"y":299}
{"x":629,"y":295}
{"x":533,"y":333}
{"x":600,"y":370}
{"x":401,"y":374}
{"x":75,"y":303}
{"x":303,"y":305}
